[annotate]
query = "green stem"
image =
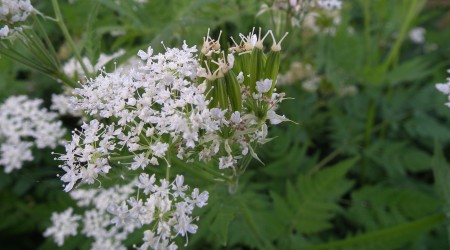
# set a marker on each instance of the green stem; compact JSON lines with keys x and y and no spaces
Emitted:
{"x":325,"y":161}
{"x":368,"y":135}
{"x":370,"y":121}
{"x":392,"y":57}
{"x":62,"y":26}
{"x":367,"y":28}
{"x":205,"y":172}
{"x":390,"y":94}
{"x":168,"y":171}
{"x":48,"y":43}
{"x":197,"y":173}
{"x":118,"y":158}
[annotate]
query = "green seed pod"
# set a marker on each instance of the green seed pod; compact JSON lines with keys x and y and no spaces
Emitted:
{"x":233,"y":91}
{"x":237,"y":67}
{"x":220,"y":85}
{"x":245,"y":60}
{"x":272,"y":68}
{"x":256,"y":68}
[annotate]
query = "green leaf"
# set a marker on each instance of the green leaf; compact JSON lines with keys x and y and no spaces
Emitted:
{"x":389,"y":238}
{"x":222,"y":222}
{"x":313,"y":200}
{"x":375,"y":207}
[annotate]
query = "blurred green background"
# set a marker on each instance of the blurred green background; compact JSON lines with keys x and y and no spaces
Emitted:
{"x":366,"y":167}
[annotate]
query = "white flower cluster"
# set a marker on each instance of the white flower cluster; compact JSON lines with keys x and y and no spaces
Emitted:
{"x":172,"y":107}
{"x":445,"y":88}
{"x":95,"y":221}
{"x":320,"y":16}
{"x":166,"y":210}
{"x":23,"y":123}
{"x":324,"y":16}
{"x":11,"y":12}
{"x":64,"y":224}
{"x":160,"y":108}
{"x":61,"y":103}
{"x":329,"y":4}
{"x":72,"y":67}
{"x":112,"y":214}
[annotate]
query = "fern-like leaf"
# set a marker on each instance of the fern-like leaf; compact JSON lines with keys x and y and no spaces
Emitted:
{"x":388,"y":238}
{"x":312,"y":201}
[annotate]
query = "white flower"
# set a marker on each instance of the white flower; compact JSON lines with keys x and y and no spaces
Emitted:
{"x":329,"y":4}
{"x":264,"y":86}
{"x":4,"y":31}
{"x":64,"y":224}
{"x":197,"y":199}
{"x":178,"y":187}
{"x":73,"y":67}
{"x":146,"y":183}
{"x":417,"y":35}
{"x":14,"y":11}
{"x":139,"y":161}
{"x":445,"y":88}
{"x":159,"y":149}
{"x":13,"y":155}
{"x":24,"y":124}
{"x":236,"y":117}
{"x":145,"y":55}
{"x":240,"y":77}
{"x":226,"y":162}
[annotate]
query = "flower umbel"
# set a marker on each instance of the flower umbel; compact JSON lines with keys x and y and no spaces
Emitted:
{"x":210,"y":108}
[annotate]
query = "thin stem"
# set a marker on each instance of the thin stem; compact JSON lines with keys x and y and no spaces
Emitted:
{"x":167,"y":159}
{"x":394,"y":52}
{"x":370,"y":121}
{"x":367,"y":21}
{"x":118,"y":158}
{"x":62,"y":26}
{"x":47,"y":41}
{"x":325,"y":161}
{"x":203,"y":173}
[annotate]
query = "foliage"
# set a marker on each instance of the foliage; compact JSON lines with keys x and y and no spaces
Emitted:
{"x":362,"y":169}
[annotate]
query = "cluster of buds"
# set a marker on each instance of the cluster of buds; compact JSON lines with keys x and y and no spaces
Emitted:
{"x":245,"y":71}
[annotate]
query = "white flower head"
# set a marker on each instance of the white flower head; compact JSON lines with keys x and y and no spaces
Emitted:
{"x":23,"y":125}
{"x":64,"y":224}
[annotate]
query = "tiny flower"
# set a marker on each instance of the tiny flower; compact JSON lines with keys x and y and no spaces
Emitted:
{"x":264,"y":86}
{"x":226,"y":162}
{"x":145,"y":55}
{"x":139,"y":161}
{"x":417,"y":35}
{"x":236,"y":117}
{"x":178,"y":186}
{"x":4,"y":31}
{"x":159,"y":149}
{"x":240,"y":77}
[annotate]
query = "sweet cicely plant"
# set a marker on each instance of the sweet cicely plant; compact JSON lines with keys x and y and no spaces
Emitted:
{"x":203,"y":112}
